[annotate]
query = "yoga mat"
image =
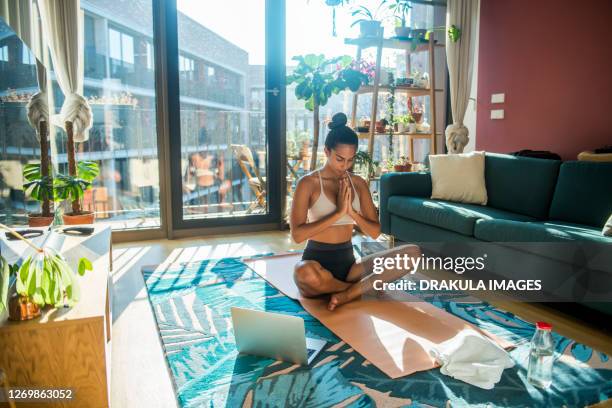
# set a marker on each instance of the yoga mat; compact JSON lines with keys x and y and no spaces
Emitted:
{"x":396,"y":336}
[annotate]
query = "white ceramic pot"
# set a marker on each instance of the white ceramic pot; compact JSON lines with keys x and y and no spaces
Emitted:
{"x":412,"y":128}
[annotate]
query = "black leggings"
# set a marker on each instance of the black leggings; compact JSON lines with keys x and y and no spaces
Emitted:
{"x":336,"y":258}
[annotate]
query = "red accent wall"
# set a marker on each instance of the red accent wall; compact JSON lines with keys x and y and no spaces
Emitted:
{"x":553,"y":60}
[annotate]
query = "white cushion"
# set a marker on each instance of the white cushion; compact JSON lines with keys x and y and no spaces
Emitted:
{"x":459,"y":177}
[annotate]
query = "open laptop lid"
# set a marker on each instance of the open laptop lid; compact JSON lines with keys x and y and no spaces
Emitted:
{"x":273,"y":335}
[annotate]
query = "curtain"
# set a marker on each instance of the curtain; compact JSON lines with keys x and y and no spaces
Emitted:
{"x":460,"y":58}
{"x":63,"y":30}
{"x":23,"y":18}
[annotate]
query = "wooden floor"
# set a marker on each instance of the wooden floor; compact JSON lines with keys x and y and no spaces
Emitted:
{"x":140,"y":376}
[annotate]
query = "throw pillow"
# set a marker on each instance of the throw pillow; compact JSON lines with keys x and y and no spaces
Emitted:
{"x":459,"y":177}
{"x":607,"y":229}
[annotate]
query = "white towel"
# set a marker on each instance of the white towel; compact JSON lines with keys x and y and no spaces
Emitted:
{"x":473,"y":358}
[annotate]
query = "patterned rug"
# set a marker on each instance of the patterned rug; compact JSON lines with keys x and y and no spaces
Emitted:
{"x":192,"y":304}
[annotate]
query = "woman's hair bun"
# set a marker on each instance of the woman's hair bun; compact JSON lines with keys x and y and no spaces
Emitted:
{"x":338,"y":120}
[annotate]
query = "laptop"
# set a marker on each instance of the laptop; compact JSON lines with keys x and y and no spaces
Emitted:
{"x":274,"y":335}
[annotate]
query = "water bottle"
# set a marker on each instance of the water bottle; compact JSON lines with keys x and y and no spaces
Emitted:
{"x":539,"y":372}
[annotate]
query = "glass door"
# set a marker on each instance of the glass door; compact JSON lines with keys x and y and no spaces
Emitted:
{"x":225,"y":139}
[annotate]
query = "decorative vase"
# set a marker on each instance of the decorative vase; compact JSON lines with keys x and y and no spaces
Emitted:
{"x":22,"y":308}
{"x":37,"y":220}
{"x":369,"y":28}
{"x":86,"y":217}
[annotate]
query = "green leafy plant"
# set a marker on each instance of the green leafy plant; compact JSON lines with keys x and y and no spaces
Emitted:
{"x":364,"y":160}
{"x":453,"y":32}
{"x":72,"y":188}
{"x":40,"y":187}
{"x":365,"y":14}
{"x":6,"y":271}
{"x":400,"y":9}
{"x":44,"y":278}
{"x":317,"y":79}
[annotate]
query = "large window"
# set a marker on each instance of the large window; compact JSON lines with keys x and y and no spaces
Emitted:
{"x":120,"y":87}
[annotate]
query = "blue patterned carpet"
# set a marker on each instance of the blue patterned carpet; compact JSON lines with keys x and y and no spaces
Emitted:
{"x":192,"y":307}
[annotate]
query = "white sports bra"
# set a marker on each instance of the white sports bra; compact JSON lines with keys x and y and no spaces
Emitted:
{"x":324,"y":207}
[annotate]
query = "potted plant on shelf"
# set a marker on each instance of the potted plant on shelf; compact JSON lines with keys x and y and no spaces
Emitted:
{"x":369,"y":22}
{"x":402,"y":165}
{"x":400,"y":9}
{"x":317,"y":79}
{"x":366,"y":165}
{"x":72,"y":187}
{"x":44,"y":278}
{"x":403,"y":123}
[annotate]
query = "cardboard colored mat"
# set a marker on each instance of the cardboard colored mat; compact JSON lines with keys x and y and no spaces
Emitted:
{"x":396,"y":336}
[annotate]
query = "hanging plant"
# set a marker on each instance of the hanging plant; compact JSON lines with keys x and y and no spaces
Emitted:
{"x":391,"y":113}
{"x":333,"y":4}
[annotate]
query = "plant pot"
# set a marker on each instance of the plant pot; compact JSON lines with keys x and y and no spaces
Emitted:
{"x":401,"y":127}
{"x":21,"y":308}
{"x":37,"y":220}
{"x":380,"y":127}
{"x":418,"y":33}
{"x":77,"y":219}
{"x":369,"y":28}
{"x":412,"y":128}
{"x":402,"y":167}
{"x":402,"y":32}
{"x":418,"y":116}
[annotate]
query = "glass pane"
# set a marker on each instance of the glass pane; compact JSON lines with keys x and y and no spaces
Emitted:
{"x":223,"y":140}
{"x":119,"y":85}
{"x":18,"y":143}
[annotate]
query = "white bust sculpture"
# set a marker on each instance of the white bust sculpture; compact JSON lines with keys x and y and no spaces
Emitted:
{"x":456,"y":138}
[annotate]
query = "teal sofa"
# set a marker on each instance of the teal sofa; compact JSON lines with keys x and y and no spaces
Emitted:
{"x":529,"y":200}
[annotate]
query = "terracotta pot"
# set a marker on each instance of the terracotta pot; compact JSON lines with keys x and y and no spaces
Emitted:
{"x":84,"y":218}
{"x":380,"y":127}
{"x":21,"y":308}
{"x":402,"y":167}
{"x":37,"y":220}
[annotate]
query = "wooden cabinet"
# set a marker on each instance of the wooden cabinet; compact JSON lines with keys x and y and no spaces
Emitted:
{"x":66,"y":347}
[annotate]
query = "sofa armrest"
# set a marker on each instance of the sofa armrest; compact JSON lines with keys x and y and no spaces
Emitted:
{"x":410,"y":184}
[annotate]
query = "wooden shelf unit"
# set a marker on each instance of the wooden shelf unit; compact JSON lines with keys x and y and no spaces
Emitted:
{"x":381,"y":43}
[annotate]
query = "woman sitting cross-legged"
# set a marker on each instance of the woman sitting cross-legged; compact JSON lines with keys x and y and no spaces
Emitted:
{"x":326,"y":206}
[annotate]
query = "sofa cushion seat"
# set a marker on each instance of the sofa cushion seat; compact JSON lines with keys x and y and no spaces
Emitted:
{"x":546,"y":231}
{"x":451,"y":216}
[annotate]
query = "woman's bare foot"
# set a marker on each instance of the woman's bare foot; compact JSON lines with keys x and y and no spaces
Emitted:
{"x":340,"y":298}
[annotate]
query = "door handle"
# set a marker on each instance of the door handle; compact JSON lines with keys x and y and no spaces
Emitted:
{"x":274,"y":91}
